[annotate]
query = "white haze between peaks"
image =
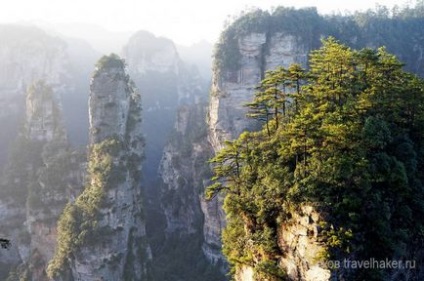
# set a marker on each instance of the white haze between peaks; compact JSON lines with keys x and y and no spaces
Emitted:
{"x":184,"y":21}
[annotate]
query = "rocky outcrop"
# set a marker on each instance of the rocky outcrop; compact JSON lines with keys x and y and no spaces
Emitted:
{"x":262,"y":41}
{"x":147,"y":53}
{"x":41,"y":177}
{"x":111,"y":95}
{"x":183,"y":171}
{"x":154,"y":66}
{"x":231,"y":90}
{"x":27,"y":54}
{"x":212,"y":228}
{"x":43,"y":121}
{"x":302,"y":248}
{"x":177,"y":147}
{"x":111,"y":203}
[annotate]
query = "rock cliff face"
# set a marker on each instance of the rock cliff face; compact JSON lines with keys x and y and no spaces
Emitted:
{"x":185,"y":174}
{"x":43,"y":121}
{"x":41,"y":177}
{"x":111,"y":203}
{"x":27,"y":54}
{"x":248,"y":48}
{"x":159,"y":73}
{"x":300,"y":241}
{"x":231,"y":90}
{"x":147,"y":53}
{"x":174,"y":105}
{"x":182,"y":170}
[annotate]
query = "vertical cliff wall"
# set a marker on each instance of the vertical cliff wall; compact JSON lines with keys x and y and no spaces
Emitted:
{"x":42,"y":175}
{"x":27,"y":54}
{"x":157,"y":70}
{"x":154,"y":65}
{"x":184,"y":175}
{"x":102,"y":234}
{"x":176,"y":153}
{"x":261,"y":41}
{"x":232,"y":88}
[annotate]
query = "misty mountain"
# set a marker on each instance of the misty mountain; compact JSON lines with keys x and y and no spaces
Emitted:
{"x":316,"y":148}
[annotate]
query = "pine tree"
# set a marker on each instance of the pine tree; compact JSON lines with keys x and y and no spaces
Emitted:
{"x":346,"y":137}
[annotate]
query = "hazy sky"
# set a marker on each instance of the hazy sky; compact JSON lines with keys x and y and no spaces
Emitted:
{"x":184,"y":21}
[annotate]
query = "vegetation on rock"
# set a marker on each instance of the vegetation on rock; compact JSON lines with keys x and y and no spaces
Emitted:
{"x":78,"y":223}
{"x":345,"y":137}
{"x":399,"y":29}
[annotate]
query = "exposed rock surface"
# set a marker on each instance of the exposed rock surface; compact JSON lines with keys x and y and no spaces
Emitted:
{"x":166,"y":82}
{"x":263,"y":41}
{"x":177,"y":147}
{"x":231,"y":90}
{"x":43,"y":121}
{"x":299,"y":240}
{"x":41,"y":177}
{"x":148,"y":53}
{"x":27,"y":54}
{"x":121,"y":252}
{"x":182,"y":171}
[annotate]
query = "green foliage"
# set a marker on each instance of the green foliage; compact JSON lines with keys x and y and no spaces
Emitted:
{"x":111,"y":61}
{"x":78,"y":222}
{"x":303,"y":24}
{"x":227,"y":54}
{"x":40,"y":88}
{"x":108,"y":62}
{"x":344,"y":137}
{"x":399,"y":29}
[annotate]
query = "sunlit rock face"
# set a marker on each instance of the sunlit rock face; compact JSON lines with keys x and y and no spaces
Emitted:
{"x":231,"y":90}
{"x":300,"y":243}
{"x":109,"y":102}
{"x":122,"y":251}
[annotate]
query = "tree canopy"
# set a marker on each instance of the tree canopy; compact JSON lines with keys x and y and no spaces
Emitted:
{"x":345,"y":136}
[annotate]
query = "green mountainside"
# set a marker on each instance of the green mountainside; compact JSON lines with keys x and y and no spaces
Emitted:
{"x":345,"y":137}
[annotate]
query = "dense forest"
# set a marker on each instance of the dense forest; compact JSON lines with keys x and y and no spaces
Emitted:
{"x":345,"y":137}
